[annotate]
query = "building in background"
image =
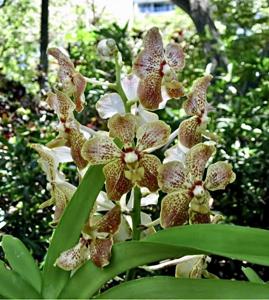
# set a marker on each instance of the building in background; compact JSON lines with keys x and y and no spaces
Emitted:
{"x":131,"y":10}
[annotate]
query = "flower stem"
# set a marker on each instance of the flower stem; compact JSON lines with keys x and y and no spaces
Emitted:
{"x":118,"y":87}
{"x":136,"y":219}
{"x":136,"y":214}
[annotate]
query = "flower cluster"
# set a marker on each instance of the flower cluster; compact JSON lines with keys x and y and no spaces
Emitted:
{"x":125,"y":151}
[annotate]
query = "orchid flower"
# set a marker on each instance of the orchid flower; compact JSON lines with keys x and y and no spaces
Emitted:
{"x":191,"y":130}
{"x":72,"y":81}
{"x":112,"y":103}
{"x":70,"y":130}
{"x":126,"y":226}
{"x":156,"y":66}
{"x":95,"y":244}
{"x":131,"y":165}
{"x":61,"y":191}
{"x":188,"y":197}
{"x":192,"y":266}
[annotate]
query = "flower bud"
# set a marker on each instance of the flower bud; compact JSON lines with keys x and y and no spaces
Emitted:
{"x":106,"y":48}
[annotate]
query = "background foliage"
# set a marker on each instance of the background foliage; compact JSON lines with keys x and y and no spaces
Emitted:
{"x":239,"y":93}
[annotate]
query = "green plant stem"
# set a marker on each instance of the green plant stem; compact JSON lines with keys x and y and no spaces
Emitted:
{"x":136,"y":220}
{"x":118,"y":86}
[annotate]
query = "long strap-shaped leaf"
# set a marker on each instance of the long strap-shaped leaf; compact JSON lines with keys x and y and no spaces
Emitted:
{"x":12,"y":286}
{"x":68,"y":230}
{"x":245,"y":243}
{"x":169,"y":287}
{"x":224,"y":240}
{"x":21,"y":261}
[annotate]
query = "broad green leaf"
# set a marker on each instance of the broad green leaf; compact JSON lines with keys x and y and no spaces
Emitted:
{"x":12,"y":286}
{"x":168,"y":287}
{"x":251,"y":275}
{"x":68,"y":230}
{"x":21,"y":261}
{"x":176,"y":242}
{"x":89,"y":278}
{"x":244,"y":243}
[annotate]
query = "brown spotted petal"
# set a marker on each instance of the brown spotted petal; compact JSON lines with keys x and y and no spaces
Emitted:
{"x":174,"y":89}
{"x":150,"y":164}
{"x":100,"y":150}
{"x":110,"y":222}
{"x":100,"y":251}
{"x":153,"y":134}
{"x":174,"y":56}
{"x":80,"y":84}
{"x":171,"y":176}
{"x":190,"y":132}
{"x":219,"y":175}
{"x":197,"y":158}
{"x":123,"y":127}
{"x":196,"y":103}
{"x":174,"y":209}
{"x":73,"y":258}
{"x":61,"y":104}
{"x":66,"y":66}
{"x":116,"y":182}
{"x":198,"y":218}
{"x":149,"y":91}
{"x":76,"y":140}
{"x":149,"y":60}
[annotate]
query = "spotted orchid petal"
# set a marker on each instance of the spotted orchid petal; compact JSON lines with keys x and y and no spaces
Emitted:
{"x":174,"y":88}
{"x":80,"y":84}
{"x":100,"y":251}
{"x":190,"y":132}
{"x":73,"y":258}
{"x":67,"y":68}
{"x":149,"y":91}
{"x":109,"y":105}
{"x":174,"y":209}
{"x":147,"y":67}
{"x":116,"y":182}
{"x":219,"y":175}
{"x":174,"y":56}
{"x":191,"y":266}
{"x":62,"y":105}
{"x":76,"y":140}
{"x":100,"y":150}
{"x":150,"y":164}
{"x":198,"y":218}
{"x":197,"y":158}
{"x":73,"y":82}
{"x":123,"y":128}
{"x":151,"y":135}
{"x":60,"y":199}
{"x":171,"y":176}
{"x":130,"y":84}
{"x":148,"y":60}
{"x":110,"y":222}
{"x":196,"y":103}
{"x":48,"y":161}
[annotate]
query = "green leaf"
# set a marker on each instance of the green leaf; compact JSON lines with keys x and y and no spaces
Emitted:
{"x":12,"y":286}
{"x":168,"y":287}
{"x":244,"y":243}
{"x":68,"y":230}
{"x":225,"y":240}
{"x":251,"y":275}
{"x":21,"y":261}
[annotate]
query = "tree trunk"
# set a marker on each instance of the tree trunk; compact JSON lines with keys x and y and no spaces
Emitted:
{"x":44,"y":40}
{"x":199,"y":12}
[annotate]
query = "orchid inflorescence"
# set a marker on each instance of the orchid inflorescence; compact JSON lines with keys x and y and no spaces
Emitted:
{"x":135,"y":131}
